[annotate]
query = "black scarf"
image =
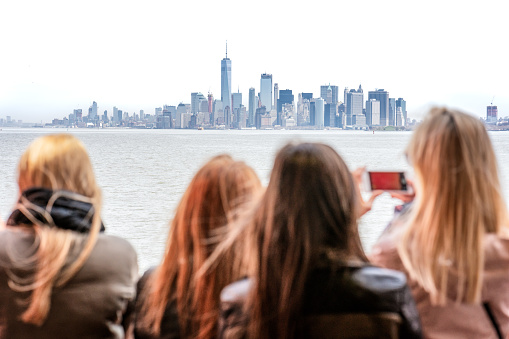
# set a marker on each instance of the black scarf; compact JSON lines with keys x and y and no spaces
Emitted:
{"x":67,"y":213}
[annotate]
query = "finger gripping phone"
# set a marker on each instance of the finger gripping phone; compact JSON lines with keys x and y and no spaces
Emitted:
{"x":387,"y":181}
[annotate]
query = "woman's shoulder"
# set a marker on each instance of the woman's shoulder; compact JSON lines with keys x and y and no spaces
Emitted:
{"x":362,"y":282}
{"x":496,"y":265}
{"x":115,"y":242}
{"x":496,"y":247}
{"x":236,"y":291}
{"x":112,"y":259}
{"x":111,"y":247}
{"x":384,"y":252}
{"x":232,"y":316}
{"x":143,"y":281}
{"x":379,"y":279}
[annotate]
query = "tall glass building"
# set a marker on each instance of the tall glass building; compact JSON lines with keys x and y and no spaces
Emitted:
{"x":402,"y":103}
{"x":329,"y":94}
{"x":354,"y":104}
{"x":226,"y":82}
{"x":253,"y":105}
{"x":266,"y":91}
{"x":319,"y":112}
{"x":383,"y":96}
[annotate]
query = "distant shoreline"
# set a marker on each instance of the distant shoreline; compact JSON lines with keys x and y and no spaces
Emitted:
{"x":489,"y":127}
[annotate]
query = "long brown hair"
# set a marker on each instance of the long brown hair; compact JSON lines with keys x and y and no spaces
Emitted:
{"x":210,"y":202}
{"x":307,"y":215}
{"x":458,"y":201}
{"x":56,"y":162}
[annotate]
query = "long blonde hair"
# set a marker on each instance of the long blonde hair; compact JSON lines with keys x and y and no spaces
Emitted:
{"x":209,"y":203}
{"x":56,"y":162}
{"x":458,"y":201}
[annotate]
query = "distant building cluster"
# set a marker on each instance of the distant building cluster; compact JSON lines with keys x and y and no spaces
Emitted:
{"x":118,"y":118}
{"x":270,"y":108}
{"x":273,"y":107}
{"x":10,"y":122}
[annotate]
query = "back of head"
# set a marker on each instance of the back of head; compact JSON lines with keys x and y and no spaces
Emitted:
{"x":212,"y":197}
{"x":57,"y":162}
{"x":311,"y":188}
{"x":307,"y":218}
{"x":458,"y":200}
{"x":210,"y":202}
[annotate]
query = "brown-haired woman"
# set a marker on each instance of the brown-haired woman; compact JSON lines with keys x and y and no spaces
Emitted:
{"x":60,"y":277}
{"x":453,"y":241}
{"x":175,"y":301}
{"x":309,"y":276}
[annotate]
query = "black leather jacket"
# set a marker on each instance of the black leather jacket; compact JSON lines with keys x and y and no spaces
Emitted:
{"x":170,"y":328}
{"x":349,"y":301}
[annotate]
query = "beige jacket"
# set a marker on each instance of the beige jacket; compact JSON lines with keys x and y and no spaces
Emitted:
{"x":92,"y":304}
{"x":458,"y":320}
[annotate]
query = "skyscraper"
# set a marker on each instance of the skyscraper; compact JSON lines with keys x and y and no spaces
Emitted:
{"x":266,"y":91}
{"x":218,"y":115}
{"x":491,"y":114}
{"x":92,"y":111}
{"x":329,"y":94}
{"x":383,"y":96}
{"x":319,"y":114}
{"x":402,"y":103}
{"x":252,"y":107}
{"x":399,"y":117}
{"x":392,"y":108}
{"x":196,"y":99}
{"x":312,"y":112}
{"x":354,"y":103}
{"x":373,"y":112}
{"x":236,"y":100}
{"x":276,"y":96}
{"x":226,"y":81}
{"x":285,"y":97}
{"x":303,"y":109}
{"x":210,"y":102}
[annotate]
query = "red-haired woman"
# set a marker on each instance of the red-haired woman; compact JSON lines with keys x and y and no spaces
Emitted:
{"x":175,"y":301}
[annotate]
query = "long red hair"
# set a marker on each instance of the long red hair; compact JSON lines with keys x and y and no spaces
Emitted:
{"x":210,"y":202}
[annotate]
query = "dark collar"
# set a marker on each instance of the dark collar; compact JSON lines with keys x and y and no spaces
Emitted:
{"x":62,"y":209}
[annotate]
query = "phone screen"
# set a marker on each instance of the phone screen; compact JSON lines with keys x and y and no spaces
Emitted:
{"x":388,"y":181}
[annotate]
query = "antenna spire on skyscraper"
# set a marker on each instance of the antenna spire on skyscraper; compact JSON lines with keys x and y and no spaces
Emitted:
{"x":226,"y":49}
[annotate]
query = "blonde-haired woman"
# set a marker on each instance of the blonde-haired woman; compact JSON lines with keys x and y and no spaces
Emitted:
{"x":451,"y":241}
{"x":175,"y":299}
{"x":60,"y":277}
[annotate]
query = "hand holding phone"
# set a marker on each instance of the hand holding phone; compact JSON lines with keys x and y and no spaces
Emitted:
{"x":393,"y":181}
{"x":364,"y":205}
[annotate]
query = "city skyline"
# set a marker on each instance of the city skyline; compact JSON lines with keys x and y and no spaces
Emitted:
{"x":62,"y":55}
{"x":230,"y":112}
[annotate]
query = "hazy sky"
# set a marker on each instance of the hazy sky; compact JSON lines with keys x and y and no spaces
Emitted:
{"x":60,"y":55}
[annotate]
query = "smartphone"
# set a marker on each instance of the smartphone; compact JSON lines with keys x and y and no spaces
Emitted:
{"x":387,"y":181}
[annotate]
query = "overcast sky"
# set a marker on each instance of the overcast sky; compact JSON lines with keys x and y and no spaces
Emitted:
{"x":60,"y":55}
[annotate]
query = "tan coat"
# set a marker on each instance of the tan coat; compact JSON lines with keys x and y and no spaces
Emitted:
{"x":92,"y":305}
{"x":458,"y":320}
